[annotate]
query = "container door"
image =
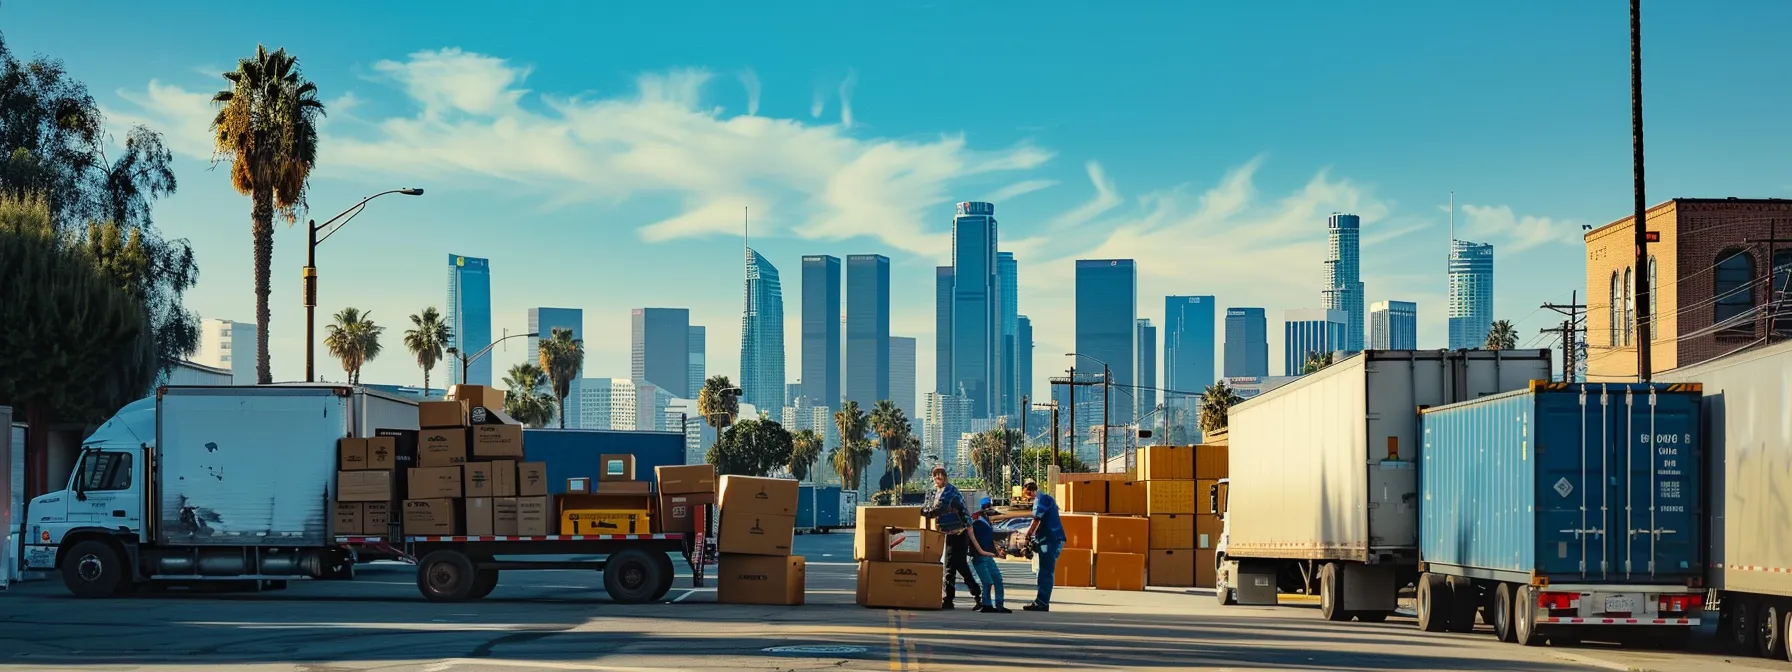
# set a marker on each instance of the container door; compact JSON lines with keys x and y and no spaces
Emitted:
{"x":1656,"y":530}
{"x":1569,"y":437}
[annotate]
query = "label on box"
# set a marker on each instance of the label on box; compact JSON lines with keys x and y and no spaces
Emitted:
{"x":376,"y":517}
{"x":351,"y":454}
{"x":382,"y":452}
{"x":441,"y":447}
{"x":504,"y":516}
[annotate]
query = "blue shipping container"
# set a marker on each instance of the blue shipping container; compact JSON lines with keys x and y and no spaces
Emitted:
{"x":572,"y":453}
{"x":811,"y":499}
{"x":1581,"y":483}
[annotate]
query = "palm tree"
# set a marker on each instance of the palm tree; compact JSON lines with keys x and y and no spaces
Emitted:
{"x":562,"y":357}
{"x":527,"y":403}
{"x":1501,"y":336}
{"x":1316,"y":361}
{"x":1215,"y":402}
{"x":805,"y":452}
{"x":855,"y":450}
{"x":267,"y":129}
{"x":905,"y":458}
{"x":888,"y":422}
{"x":719,"y":402}
{"x":354,"y":339}
{"x":427,"y":340}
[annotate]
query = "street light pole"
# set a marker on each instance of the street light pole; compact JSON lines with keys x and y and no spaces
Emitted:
{"x":309,"y":274}
{"x":466,"y":361}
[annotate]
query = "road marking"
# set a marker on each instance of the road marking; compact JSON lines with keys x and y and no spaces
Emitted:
{"x":895,"y":643}
{"x":686,"y":594}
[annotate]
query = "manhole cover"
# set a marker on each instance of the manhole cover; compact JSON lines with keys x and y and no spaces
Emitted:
{"x":816,"y":650}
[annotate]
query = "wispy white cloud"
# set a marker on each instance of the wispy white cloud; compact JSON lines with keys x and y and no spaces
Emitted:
{"x":818,"y":102}
{"x":1498,"y":224}
{"x":1106,"y":197}
{"x":846,"y":87}
{"x":750,"y":80}
{"x":1017,"y":190}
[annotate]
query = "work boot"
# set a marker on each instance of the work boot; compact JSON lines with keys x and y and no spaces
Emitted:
{"x":1036,"y":607}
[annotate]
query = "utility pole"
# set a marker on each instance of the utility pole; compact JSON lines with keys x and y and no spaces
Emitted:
{"x":1644,"y":326}
{"x":1569,"y":329}
{"x":1073,"y":383}
{"x":1107,"y":394}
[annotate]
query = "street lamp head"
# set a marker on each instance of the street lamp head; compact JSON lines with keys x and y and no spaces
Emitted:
{"x":532,"y":334}
{"x":411,"y":191}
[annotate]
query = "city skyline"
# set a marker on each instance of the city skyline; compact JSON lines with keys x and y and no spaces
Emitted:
{"x":821,"y":323}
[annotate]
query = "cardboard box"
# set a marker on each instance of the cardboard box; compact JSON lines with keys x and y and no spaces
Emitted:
{"x":504,"y":516}
{"x":689,"y":479}
{"x":531,"y":479}
{"x":481,"y":415}
{"x":751,"y":494}
{"x":503,"y":478}
{"x":532,"y":516}
{"x":1120,"y":571}
{"x":1166,"y":463}
{"x":429,"y":517}
{"x":376,"y":518}
{"x":677,"y":513}
{"x":382,"y":452}
{"x":1122,"y":534}
{"x":477,"y":479}
{"x":1169,"y":497}
{"x":351,"y":454}
{"x":481,"y":521}
{"x":1095,"y":476}
{"x":1172,"y":531}
{"x":404,"y":458}
{"x":364,"y":486}
{"x":1126,"y":498}
{"x":867,"y":539}
{"x":434,"y":482}
{"x":1175,"y":568}
{"x":1079,"y":530}
{"x":1076,"y":569}
{"x":759,"y":579}
{"x":624,"y":488}
{"x":1203,"y":498}
{"x":598,"y":522}
{"x":1205,"y":572}
{"x":579,"y":485}
{"x":1207,"y":531}
{"x":1085,"y":496}
{"x":490,"y":441}
{"x":441,"y":447}
{"x":755,"y":533}
{"x":909,"y":545}
{"x":441,"y":414}
{"x":348,"y":518}
{"x":477,"y":395}
{"x":901,"y":585}
{"x":616,"y":467}
{"x":1210,"y":462}
{"x":566,"y":502}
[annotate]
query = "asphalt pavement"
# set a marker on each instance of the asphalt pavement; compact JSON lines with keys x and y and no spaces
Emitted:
{"x":562,"y":620}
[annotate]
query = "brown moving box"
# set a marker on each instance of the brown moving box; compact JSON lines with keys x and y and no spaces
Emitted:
{"x":1207,"y":531}
{"x":759,"y":579}
{"x":434,"y":482}
{"x":690,"y":479}
{"x":382,"y":452}
{"x":1169,"y":497}
{"x":578,"y":485}
{"x":349,"y":519}
{"x":1085,"y":496}
{"x":477,"y":395}
{"x":430,"y":517}
{"x":531,"y":479}
{"x":624,"y":488}
{"x":442,"y":447}
{"x":616,"y":467}
{"x":901,"y":585}
{"x":750,"y":533}
{"x":363,"y":486}
{"x":477,"y":479}
{"x":752,"y":494}
{"x":376,"y":518}
{"x":1095,"y":476}
{"x":1210,"y":462}
{"x":1174,"y":569}
{"x":1205,"y":574}
{"x":504,"y":516}
{"x":351,"y":454}
{"x":1120,"y":571}
{"x":1203,"y":501}
{"x":910,"y":545}
{"x":1126,"y":498}
{"x":1166,"y":463}
{"x":678,"y":513}
{"x":867,"y":539}
{"x":503,"y":478}
{"x":1122,"y":534}
{"x":1079,"y":530}
{"x":490,"y":441}
{"x":439,"y":414}
{"x":1076,"y":568}
{"x":532,"y":516}
{"x":1173,"y":531}
{"x":480,"y":520}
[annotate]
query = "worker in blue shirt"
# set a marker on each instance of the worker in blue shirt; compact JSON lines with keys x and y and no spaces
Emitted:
{"x":1047,"y":533}
{"x":983,"y":560}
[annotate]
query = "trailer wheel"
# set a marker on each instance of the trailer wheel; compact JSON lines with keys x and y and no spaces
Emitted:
{"x":1465,"y":600}
{"x":446,"y":576}
{"x":632,"y":577}
{"x":667,"y":570}
{"x":1502,"y":613}
{"x":1744,"y":622}
{"x":93,"y":569}
{"x":1330,"y":594}
{"x":1431,"y":590}
{"x":484,"y":581}
{"x":1785,"y":627}
{"x":1524,"y":616}
{"x":1773,"y":638}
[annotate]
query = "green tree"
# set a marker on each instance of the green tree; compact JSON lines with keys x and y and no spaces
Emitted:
{"x":527,"y":401}
{"x":752,"y":448}
{"x":719,"y":402}
{"x":905,"y":457}
{"x":992,"y":451}
{"x":266,"y":129}
{"x":562,"y":357}
{"x":1502,"y":336}
{"x":354,"y":340}
{"x":1035,"y":461}
{"x":805,"y":451}
{"x":1316,"y":361}
{"x":854,"y":453}
{"x":891,"y":427}
{"x":427,"y":339}
{"x":1216,"y":402}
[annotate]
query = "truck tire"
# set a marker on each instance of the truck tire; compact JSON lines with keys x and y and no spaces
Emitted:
{"x":1501,"y":613}
{"x":1431,"y":589}
{"x":1524,"y":617}
{"x":1221,"y":591}
{"x":94,"y":569}
{"x":484,"y":581}
{"x":667,"y":570}
{"x":1786,"y":626}
{"x":446,"y":576}
{"x":1465,"y":601}
{"x":1772,"y":634}
{"x":632,"y":577}
{"x":1745,"y":625}
{"x":1331,"y":594}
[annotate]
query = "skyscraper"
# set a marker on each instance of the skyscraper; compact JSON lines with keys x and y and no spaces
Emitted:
{"x":902,"y":374}
{"x":762,"y":335}
{"x":1247,"y":343}
{"x":544,"y":321}
{"x":1394,"y":325}
{"x":1308,"y":331}
{"x":1145,"y":393}
{"x":1023,"y":349}
{"x":942,"y":330}
{"x":470,"y":316}
{"x":821,"y":330}
{"x":699,"y":361}
{"x":1188,"y":333}
{"x":221,"y":340}
{"x":1471,"y":294}
{"x":1008,"y":277}
{"x":661,"y":352}
{"x":867,"y":329}
{"x":976,"y":305}
{"x":1344,"y":277}
{"x":1106,"y":300}
{"x":947,"y":417}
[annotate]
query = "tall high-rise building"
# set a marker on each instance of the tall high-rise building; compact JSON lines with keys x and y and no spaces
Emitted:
{"x":1344,"y":277}
{"x":976,"y":307}
{"x":1008,"y":279}
{"x":902,"y":374}
{"x":1106,"y":309}
{"x":220,"y":342}
{"x":543,"y":321}
{"x":613,"y":403}
{"x":821,"y":330}
{"x":1188,"y":333}
{"x":942,"y":330}
{"x":699,"y":361}
{"x":470,"y":315}
{"x":1308,"y":331}
{"x":1023,"y":357}
{"x":1144,"y":394}
{"x":793,"y":393}
{"x":1471,"y":294}
{"x":661,"y":352}
{"x":946,"y":418}
{"x":867,"y":329}
{"x":1247,"y":343}
{"x":1394,"y":325}
{"x":762,"y":335}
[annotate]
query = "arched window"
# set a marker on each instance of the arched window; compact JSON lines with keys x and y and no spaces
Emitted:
{"x":1616,"y":310}
{"x":1629,"y":314}
{"x":1654,"y":300}
{"x":1731,"y":287}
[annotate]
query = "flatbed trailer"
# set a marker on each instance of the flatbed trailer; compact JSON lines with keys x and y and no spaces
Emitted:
{"x":637,"y":568}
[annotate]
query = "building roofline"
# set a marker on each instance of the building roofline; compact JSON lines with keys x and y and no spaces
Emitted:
{"x":1695,"y":201}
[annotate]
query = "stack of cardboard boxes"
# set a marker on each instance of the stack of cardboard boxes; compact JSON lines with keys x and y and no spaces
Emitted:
{"x":364,"y":486}
{"x":1168,"y":471}
{"x":469,"y":477}
{"x":621,"y":504}
{"x":1210,"y":466}
{"x":758,"y":525}
{"x":899,"y":559}
{"x":683,"y":490}
{"x":1107,"y":533}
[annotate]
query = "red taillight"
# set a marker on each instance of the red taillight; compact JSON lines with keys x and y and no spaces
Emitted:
{"x":1557,"y":600}
{"x":1680,"y":603}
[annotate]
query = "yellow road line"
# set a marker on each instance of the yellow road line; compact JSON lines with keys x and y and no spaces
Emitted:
{"x":895,"y":643}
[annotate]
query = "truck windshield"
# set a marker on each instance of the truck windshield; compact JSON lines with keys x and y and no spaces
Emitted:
{"x":106,"y":471}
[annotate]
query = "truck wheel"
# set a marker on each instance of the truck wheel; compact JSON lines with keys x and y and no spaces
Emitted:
{"x":446,"y":576}
{"x":667,"y":571}
{"x":1330,"y":594}
{"x":1465,"y":600}
{"x":484,"y":581}
{"x":1744,"y":625}
{"x":1502,"y":613}
{"x":93,"y":569}
{"x":631,"y":577}
{"x":1431,"y":588}
{"x":1524,"y":617}
{"x":1786,"y":626}
{"x":1221,"y":591}
{"x":1773,"y":638}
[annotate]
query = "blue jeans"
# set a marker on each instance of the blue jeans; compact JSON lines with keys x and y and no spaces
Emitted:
{"x":1048,"y":570}
{"x":991,"y":576}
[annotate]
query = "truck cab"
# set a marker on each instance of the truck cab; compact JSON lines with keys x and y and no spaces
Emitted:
{"x":100,"y":512}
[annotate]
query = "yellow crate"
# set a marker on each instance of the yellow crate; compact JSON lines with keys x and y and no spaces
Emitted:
{"x":604,"y":521}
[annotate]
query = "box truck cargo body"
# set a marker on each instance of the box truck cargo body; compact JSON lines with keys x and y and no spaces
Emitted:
{"x":1563,"y":510}
{"x":1323,"y":479}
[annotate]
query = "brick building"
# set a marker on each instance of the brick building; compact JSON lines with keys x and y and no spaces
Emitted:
{"x":1716,"y":296}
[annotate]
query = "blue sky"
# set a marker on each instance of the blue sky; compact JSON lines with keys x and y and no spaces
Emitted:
{"x":600,"y":154}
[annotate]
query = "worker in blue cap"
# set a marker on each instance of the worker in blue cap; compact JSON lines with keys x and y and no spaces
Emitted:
{"x":983,"y":560}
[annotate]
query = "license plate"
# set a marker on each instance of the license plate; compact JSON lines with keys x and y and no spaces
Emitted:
{"x":1619,"y":604}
